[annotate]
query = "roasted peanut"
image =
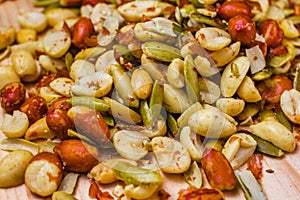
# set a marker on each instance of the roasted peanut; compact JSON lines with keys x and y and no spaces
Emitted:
{"x":218,"y":170}
{"x":12,"y":168}
{"x":35,"y":108}
{"x":231,"y":9}
{"x":44,"y":169}
{"x":213,"y":38}
{"x":77,"y":155}
{"x":171,"y":155}
{"x":60,"y":103}
{"x":272,"y":33}
{"x":130,"y":144}
{"x":231,"y":106}
{"x":289,"y":102}
{"x":211,"y":123}
{"x":276,"y":133}
{"x":7,"y":36}
{"x":141,"y":83}
{"x":32,"y":20}
{"x":247,"y":91}
{"x":103,"y":174}
{"x":238,"y":149}
{"x":58,"y":122}
{"x":25,"y":35}
{"x":8,"y":75}
{"x":12,"y":96}
{"x":242,"y":28}
{"x":90,"y":123}
{"x":203,"y":193}
{"x":272,"y":88}
{"x":233,"y":75}
{"x":23,"y":63}
{"x":148,"y":9}
{"x":56,"y":43}
{"x":57,"y":15}
{"x":38,"y":130}
{"x":14,"y":125}
{"x":82,"y":29}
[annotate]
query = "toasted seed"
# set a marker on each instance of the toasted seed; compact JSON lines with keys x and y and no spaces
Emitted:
{"x":247,"y":91}
{"x":174,"y":100}
{"x":136,"y":175}
{"x":209,"y":91}
{"x":156,"y":101}
{"x":122,"y":112}
{"x":60,"y":195}
{"x":129,"y":144}
{"x":141,"y":83}
{"x":266,"y":147}
{"x":62,"y":86}
{"x":276,"y":133}
{"x":160,"y":51}
{"x":191,"y":141}
{"x":56,"y":43}
{"x":193,"y":175}
{"x":191,"y":80}
{"x":171,"y":155}
{"x":211,"y":123}
{"x":11,"y":144}
{"x":123,"y":86}
{"x":233,"y":75}
{"x":12,"y":168}
{"x":212,"y":38}
{"x":185,"y":116}
{"x":226,"y":55}
{"x":69,"y":182}
{"x":153,"y":68}
{"x":231,"y":106}
{"x":175,"y":73}
{"x":141,"y":9}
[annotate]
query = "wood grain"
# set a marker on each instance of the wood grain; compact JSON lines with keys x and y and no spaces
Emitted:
{"x":283,"y":183}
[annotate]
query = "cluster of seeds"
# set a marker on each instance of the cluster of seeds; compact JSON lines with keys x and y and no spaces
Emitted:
{"x":126,"y":92}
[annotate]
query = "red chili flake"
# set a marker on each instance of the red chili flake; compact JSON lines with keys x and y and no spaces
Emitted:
{"x":105,"y":31}
{"x":96,"y":193}
{"x":93,"y":190}
{"x":270,"y":170}
{"x":192,"y":193}
{"x":163,"y":195}
{"x":151,"y":9}
{"x":255,"y":165}
{"x":146,"y":19}
{"x":45,"y":80}
{"x":133,"y":6}
{"x":296,"y":131}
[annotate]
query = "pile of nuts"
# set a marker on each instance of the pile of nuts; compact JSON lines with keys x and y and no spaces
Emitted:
{"x":128,"y":91}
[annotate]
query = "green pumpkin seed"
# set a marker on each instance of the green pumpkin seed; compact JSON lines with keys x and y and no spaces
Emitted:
{"x":172,"y":124}
{"x":191,"y":80}
{"x":160,"y":51}
{"x":266,"y":147}
{"x":11,"y":144}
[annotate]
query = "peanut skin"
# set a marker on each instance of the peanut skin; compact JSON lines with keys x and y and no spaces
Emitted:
{"x":218,"y":170}
{"x":12,"y":96}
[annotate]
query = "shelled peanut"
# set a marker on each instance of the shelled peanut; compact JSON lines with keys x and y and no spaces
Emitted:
{"x":142,"y":77}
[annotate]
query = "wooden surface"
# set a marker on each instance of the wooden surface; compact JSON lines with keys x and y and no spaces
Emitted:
{"x":283,"y":183}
